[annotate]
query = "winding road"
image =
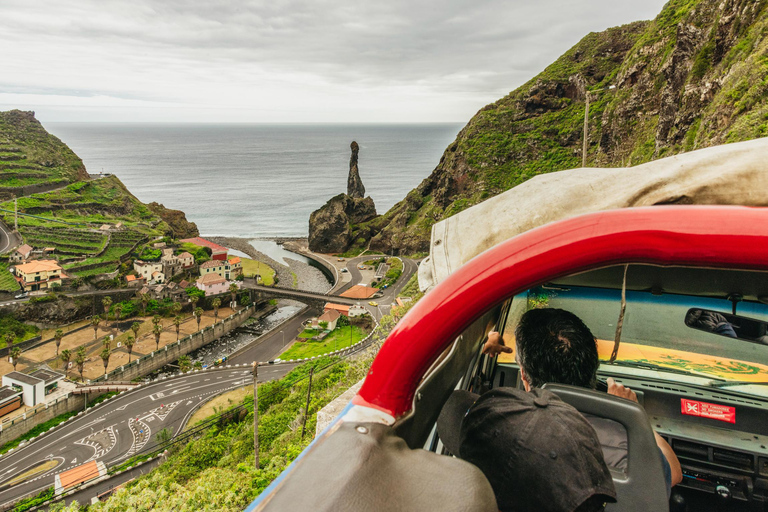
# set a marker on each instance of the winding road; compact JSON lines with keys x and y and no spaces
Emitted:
{"x":127,"y":424}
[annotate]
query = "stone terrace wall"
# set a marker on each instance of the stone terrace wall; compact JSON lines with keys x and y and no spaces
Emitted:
{"x":10,"y":430}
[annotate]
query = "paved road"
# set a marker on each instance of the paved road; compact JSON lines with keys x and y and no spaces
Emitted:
{"x":8,"y":240}
{"x":389,"y":295}
{"x":112,"y":433}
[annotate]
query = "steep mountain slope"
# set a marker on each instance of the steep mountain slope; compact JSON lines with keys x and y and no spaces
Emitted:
{"x":33,"y":158}
{"x":693,"y":77}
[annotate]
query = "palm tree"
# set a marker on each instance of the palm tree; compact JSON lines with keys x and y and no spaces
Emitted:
{"x":65,"y":356}
{"x":177,"y":323}
{"x":156,"y":320}
{"x":9,"y":339}
{"x":135,"y":326}
{"x":185,"y":364}
{"x":106,"y":342}
{"x":107,"y":303}
{"x":58,"y":335}
{"x":233,"y":291}
{"x":216,"y":306}
{"x":176,"y":308}
{"x":105,"y":357}
{"x":15,"y":353}
{"x":199,"y":316}
{"x":145,"y":298}
{"x":194,"y":299}
{"x":129,"y":342}
{"x":118,"y":312}
{"x":157,"y":330}
{"x":80,"y":358}
{"x":95,"y":323}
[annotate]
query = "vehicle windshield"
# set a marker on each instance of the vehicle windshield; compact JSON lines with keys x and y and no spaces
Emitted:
{"x":655,"y":339}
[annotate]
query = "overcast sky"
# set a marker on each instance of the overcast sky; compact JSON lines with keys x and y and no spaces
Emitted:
{"x":284,"y":60}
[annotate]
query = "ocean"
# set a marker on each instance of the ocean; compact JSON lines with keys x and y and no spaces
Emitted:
{"x":257,"y":181}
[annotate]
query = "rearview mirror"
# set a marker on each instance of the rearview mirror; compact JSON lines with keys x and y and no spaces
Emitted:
{"x":725,"y":324}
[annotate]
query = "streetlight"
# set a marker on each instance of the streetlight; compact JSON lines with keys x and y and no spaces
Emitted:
{"x":586,"y":123}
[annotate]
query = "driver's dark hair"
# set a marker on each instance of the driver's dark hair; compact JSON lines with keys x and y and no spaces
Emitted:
{"x":554,"y":345}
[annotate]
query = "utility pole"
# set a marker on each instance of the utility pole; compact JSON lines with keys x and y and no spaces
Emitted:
{"x":255,"y":414}
{"x":15,"y":213}
{"x":586,"y":133}
{"x":306,"y":409}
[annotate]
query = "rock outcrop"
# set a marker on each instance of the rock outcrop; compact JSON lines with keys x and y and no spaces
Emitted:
{"x":176,"y":220}
{"x":333,"y":228}
{"x":330,"y":227}
{"x":355,"y":188}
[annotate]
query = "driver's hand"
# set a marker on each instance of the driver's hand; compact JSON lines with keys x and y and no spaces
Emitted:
{"x":614,"y":388}
{"x":495,"y":345}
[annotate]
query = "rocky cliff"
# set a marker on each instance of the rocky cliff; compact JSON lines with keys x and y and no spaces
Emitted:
{"x":176,"y":220}
{"x":334,"y":227}
{"x":691,"y":78}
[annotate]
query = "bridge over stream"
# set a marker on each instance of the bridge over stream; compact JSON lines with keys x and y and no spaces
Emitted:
{"x":317,"y":300}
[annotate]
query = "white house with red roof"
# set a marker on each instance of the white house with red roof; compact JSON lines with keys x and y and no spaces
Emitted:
{"x":21,"y":253}
{"x":212,"y":284}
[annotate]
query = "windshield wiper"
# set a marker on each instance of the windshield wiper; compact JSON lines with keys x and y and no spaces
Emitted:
{"x":651,"y":366}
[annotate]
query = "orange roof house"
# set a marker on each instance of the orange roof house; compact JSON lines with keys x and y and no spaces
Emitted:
{"x":341,"y":308}
{"x":360,"y":292}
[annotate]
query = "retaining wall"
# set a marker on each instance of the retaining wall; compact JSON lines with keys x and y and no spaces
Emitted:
{"x":20,"y":425}
{"x":171,"y":352}
{"x":10,"y":430}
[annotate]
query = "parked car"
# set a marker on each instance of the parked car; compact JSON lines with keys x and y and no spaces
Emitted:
{"x":702,"y":386}
{"x":344,"y":271}
{"x":373,"y":303}
{"x":22,"y":295}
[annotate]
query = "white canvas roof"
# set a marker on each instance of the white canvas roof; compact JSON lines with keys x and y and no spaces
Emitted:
{"x":731,"y":174}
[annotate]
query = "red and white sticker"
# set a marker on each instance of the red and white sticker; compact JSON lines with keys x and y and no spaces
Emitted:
{"x":707,"y":410}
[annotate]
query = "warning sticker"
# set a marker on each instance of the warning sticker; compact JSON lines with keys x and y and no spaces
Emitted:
{"x":707,"y":410}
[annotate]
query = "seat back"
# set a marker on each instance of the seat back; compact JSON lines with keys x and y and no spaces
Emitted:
{"x":642,"y":487}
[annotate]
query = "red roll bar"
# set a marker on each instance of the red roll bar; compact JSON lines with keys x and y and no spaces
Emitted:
{"x":702,"y":236}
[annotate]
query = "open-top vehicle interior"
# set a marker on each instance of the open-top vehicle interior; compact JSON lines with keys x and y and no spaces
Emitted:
{"x":676,"y":298}
{"x":692,"y":346}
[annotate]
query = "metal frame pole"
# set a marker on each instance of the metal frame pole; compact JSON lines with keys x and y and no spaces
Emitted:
{"x":306,"y":409}
{"x":255,"y":414}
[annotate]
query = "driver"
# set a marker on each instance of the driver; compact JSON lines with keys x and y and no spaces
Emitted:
{"x":554,"y":345}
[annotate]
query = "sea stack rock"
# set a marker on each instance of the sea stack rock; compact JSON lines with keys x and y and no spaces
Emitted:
{"x":335,"y":227}
{"x":355,"y":188}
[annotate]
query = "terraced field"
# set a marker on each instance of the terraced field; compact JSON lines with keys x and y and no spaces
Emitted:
{"x":7,"y":281}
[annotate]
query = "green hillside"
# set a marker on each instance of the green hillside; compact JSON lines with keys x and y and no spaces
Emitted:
{"x":691,"y":78}
{"x":29,"y":155}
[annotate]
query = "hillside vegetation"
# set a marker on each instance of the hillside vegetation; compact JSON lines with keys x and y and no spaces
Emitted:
{"x":693,"y":77}
{"x":29,"y":155}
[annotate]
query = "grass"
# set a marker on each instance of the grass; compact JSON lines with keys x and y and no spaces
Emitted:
{"x":411,"y":288}
{"x":252,"y":267}
{"x":95,"y":271}
{"x":339,"y":338}
{"x":7,"y":281}
{"x":220,"y":402}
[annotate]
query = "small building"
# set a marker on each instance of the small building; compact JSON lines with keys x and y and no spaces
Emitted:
{"x":34,"y":386}
{"x":357,"y":310}
{"x":146,"y":268}
{"x":158,"y":245}
{"x":360,"y":292}
{"x":233,"y":268}
{"x":341,"y":308}
{"x":105,"y":227}
{"x":212,"y":284}
{"x":38,"y":274}
{"x":184,"y":284}
{"x":331,"y":317}
{"x":213,"y":267}
{"x":158,"y":277}
{"x":135,"y":281}
{"x":10,"y":399}
{"x":186,"y":260}
{"x":20,"y":254}
{"x":217,"y":251}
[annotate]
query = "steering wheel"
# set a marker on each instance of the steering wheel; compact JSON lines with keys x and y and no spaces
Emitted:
{"x":642,"y":487}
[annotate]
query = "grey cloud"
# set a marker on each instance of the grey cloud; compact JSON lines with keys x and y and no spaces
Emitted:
{"x":458,"y":46}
